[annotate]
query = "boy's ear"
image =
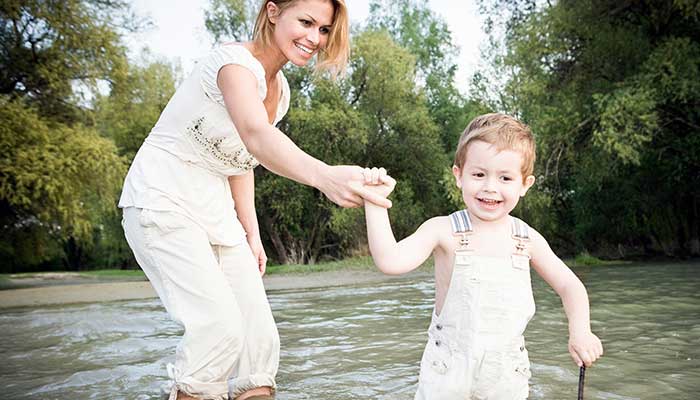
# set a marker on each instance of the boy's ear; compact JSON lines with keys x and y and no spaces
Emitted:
{"x":527,"y":184}
{"x":457,"y":172}
{"x":273,"y":12}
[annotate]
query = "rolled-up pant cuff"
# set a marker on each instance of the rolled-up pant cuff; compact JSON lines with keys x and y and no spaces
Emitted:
{"x":238,"y":386}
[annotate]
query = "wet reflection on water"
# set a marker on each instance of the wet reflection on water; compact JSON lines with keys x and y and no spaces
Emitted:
{"x":365,"y":342}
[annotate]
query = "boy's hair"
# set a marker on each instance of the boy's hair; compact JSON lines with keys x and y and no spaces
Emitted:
{"x":334,"y":57}
{"x":502,"y":131}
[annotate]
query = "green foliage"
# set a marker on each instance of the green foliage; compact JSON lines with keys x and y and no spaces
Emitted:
{"x":50,"y":46}
{"x":231,"y":19}
{"x":59,"y":177}
{"x":584,"y":258}
{"x":296,"y":218}
{"x":54,"y":180}
{"x":132,"y":107}
{"x":611,"y":91}
{"x":627,"y":121}
{"x":427,"y":37}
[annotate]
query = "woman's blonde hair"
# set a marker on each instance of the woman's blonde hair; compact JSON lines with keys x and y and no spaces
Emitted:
{"x":334,"y":57}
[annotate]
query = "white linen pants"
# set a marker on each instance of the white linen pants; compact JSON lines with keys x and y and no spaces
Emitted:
{"x":230,"y":343}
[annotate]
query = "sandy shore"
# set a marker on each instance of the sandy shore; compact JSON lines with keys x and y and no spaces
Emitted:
{"x":67,"y":288}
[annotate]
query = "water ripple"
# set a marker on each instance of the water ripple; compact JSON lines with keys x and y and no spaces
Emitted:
{"x":365,"y":342}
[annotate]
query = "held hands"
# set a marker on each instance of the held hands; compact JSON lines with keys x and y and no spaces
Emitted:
{"x":585,"y":348}
{"x":344,"y":185}
{"x":377,"y":181}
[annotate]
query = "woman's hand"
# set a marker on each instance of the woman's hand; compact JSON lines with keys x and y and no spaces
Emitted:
{"x":344,"y":185}
{"x":258,"y":250}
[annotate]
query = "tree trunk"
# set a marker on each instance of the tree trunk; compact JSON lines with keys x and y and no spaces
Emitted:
{"x":277,"y":242}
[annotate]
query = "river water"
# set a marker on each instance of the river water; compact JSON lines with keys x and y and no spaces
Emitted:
{"x":365,"y":342}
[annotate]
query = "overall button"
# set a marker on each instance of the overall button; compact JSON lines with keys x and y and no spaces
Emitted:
{"x":437,"y":343}
{"x":438,"y":327}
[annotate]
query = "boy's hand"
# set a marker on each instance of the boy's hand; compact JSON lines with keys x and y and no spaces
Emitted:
{"x":585,"y":348}
{"x":377,"y":180}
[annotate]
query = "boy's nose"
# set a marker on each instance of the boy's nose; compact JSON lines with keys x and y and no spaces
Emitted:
{"x":489,"y":185}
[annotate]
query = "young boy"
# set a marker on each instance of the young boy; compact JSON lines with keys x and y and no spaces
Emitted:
{"x":483,"y":296}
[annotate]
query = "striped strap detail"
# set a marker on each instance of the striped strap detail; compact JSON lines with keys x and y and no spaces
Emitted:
{"x":520,"y":229}
{"x":461,"y":222}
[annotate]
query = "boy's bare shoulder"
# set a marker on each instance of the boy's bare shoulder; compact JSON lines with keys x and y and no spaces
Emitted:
{"x":538,"y":241}
{"x":439,"y":222}
{"x":441,"y":228}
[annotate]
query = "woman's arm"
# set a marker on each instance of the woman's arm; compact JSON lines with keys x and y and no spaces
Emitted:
{"x":277,"y":152}
{"x":243,"y":193}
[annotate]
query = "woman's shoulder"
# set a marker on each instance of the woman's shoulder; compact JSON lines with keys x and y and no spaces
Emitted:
{"x":235,"y":52}
{"x":232,"y":53}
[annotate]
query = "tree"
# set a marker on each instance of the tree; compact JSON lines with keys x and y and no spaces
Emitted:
{"x":126,"y":116}
{"x":49,"y":47}
{"x":231,"y":19}
{"x":58,"y":176}
{"x":426,"y":36}
{"x":609,"y":88}
{"x":55,"y":179}
{"x":296,"y":219}
{"x":132,"y":107}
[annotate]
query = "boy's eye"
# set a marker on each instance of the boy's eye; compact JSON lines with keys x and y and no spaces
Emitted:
{"x":506,"y":178}
{"x":478,"y":174}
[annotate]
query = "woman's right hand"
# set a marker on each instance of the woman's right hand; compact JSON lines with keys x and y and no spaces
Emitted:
{"x":344,"y":186}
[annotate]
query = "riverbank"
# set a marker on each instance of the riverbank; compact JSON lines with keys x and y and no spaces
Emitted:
{"x":74,"y":288}
{"x":58,"y":288}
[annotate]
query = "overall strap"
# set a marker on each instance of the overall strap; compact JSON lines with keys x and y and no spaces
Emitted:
{"x":461,"y":223}
{"x":462,"y":227}
{"x":521,"y":234}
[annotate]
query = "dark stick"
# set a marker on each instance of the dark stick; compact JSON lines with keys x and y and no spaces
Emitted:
{"x":581,"y":376}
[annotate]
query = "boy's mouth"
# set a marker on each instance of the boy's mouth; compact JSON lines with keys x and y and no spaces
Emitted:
{"x":489,"y":203}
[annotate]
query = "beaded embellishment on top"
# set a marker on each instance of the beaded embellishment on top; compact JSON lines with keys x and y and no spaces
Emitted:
{"x":240,"y":158}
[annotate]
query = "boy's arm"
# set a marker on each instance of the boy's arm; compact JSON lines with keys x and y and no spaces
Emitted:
{"x":584,"y":346}
{"x":398,"y":258}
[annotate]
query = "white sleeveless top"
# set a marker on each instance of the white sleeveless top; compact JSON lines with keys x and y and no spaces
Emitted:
{"x":184,"y":162}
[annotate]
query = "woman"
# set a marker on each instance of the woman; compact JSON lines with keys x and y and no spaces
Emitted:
{"x":188,"y":199}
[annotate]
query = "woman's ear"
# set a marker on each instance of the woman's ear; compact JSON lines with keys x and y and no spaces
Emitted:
{"x":273,"y":11}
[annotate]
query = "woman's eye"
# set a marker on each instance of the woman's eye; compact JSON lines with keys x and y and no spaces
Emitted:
{"x":305,"y":22}
{"x":325,"y":30}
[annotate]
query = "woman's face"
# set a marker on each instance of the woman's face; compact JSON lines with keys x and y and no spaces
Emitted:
{"x":302,"y":29}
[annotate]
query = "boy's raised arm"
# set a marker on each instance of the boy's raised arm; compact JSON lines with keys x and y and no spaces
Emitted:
{"x":584,"y":346}
{"x":397,"y":258}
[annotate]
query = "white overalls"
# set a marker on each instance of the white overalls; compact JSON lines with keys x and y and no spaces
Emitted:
{"x":476,"y":348}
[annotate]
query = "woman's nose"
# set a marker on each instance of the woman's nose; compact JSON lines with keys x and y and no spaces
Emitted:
{"x":313,"y":36}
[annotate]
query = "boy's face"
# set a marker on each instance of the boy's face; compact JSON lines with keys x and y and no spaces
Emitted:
{"x":491,"y":181}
